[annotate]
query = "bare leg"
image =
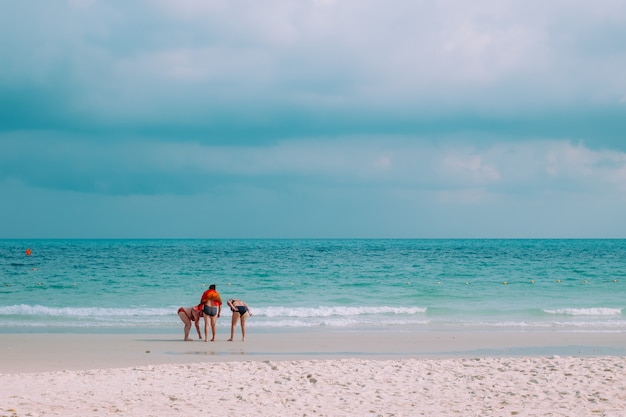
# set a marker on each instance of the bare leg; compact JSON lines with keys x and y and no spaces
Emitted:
{"x":233,"y":325}
{"x":185,"y":319}
{"x":243,"y":327}
{"x":213,"y":327}
{"x":206,"y":327}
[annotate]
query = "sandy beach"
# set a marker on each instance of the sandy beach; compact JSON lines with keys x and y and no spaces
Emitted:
{"x":316,"y":374}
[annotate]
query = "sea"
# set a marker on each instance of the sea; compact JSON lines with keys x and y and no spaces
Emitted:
{"x":136,"y":286}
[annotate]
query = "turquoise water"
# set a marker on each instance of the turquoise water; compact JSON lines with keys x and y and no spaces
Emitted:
{"x":137,"y":285}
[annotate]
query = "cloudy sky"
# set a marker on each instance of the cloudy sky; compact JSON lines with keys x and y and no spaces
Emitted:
{"x":312,"y":118}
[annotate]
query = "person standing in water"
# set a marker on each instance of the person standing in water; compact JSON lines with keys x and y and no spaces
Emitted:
{"x":211,"y":304}
{"x":188,"y":315}
{"x":240,"y":312}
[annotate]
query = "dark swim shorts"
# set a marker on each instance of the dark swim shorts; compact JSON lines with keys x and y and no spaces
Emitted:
{"x":242,"y":310}
{"x":209,"y":311}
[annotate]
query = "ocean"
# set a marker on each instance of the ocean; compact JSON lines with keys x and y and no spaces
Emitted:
{"x":118,"y":286}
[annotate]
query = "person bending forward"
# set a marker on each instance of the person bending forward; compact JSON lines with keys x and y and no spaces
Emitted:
{"x":240,"y":312}
{"x":188,"y":315}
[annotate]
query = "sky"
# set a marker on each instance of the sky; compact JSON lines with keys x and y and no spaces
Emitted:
{"x":312,"y":119}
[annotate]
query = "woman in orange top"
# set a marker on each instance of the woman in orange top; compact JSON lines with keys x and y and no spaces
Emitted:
{"x":211,"y":304}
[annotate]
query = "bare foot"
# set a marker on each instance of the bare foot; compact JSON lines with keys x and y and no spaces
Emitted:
{"x":188,"y":340}
{"x":229,"y":340}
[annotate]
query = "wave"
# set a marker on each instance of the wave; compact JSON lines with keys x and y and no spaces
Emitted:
{"x":340,"y":317}
{"x":591,"y":311}
{"x":43,"y":311}
{"x":38,"y":316}
{"x":329,"y":311}
{"x":270,"y":312}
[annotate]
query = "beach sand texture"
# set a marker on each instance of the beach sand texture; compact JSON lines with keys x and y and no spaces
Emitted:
{"x":342,"y":385}
{"x":552,"y":386}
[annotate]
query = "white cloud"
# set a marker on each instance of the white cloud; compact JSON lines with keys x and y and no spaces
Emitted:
{"x":395,"y":161}
{"x":384,"y":163}
{"x":434,"y":101}
{"x":532,"y":166}
{"x":178,"y":63}
{"x":470,"y":167}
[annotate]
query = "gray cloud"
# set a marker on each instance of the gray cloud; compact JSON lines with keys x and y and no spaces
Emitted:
{"x":361,"y":118}
{"x":223,"y":72}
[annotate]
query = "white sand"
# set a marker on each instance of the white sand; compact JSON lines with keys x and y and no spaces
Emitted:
{"x":367,"y":375}
{"x":349,"y":387}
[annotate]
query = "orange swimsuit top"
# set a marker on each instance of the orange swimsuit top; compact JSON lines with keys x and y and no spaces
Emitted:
{"x":211,"y":295}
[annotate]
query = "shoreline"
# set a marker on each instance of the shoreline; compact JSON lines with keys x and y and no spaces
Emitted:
{"x":44,"y":352}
